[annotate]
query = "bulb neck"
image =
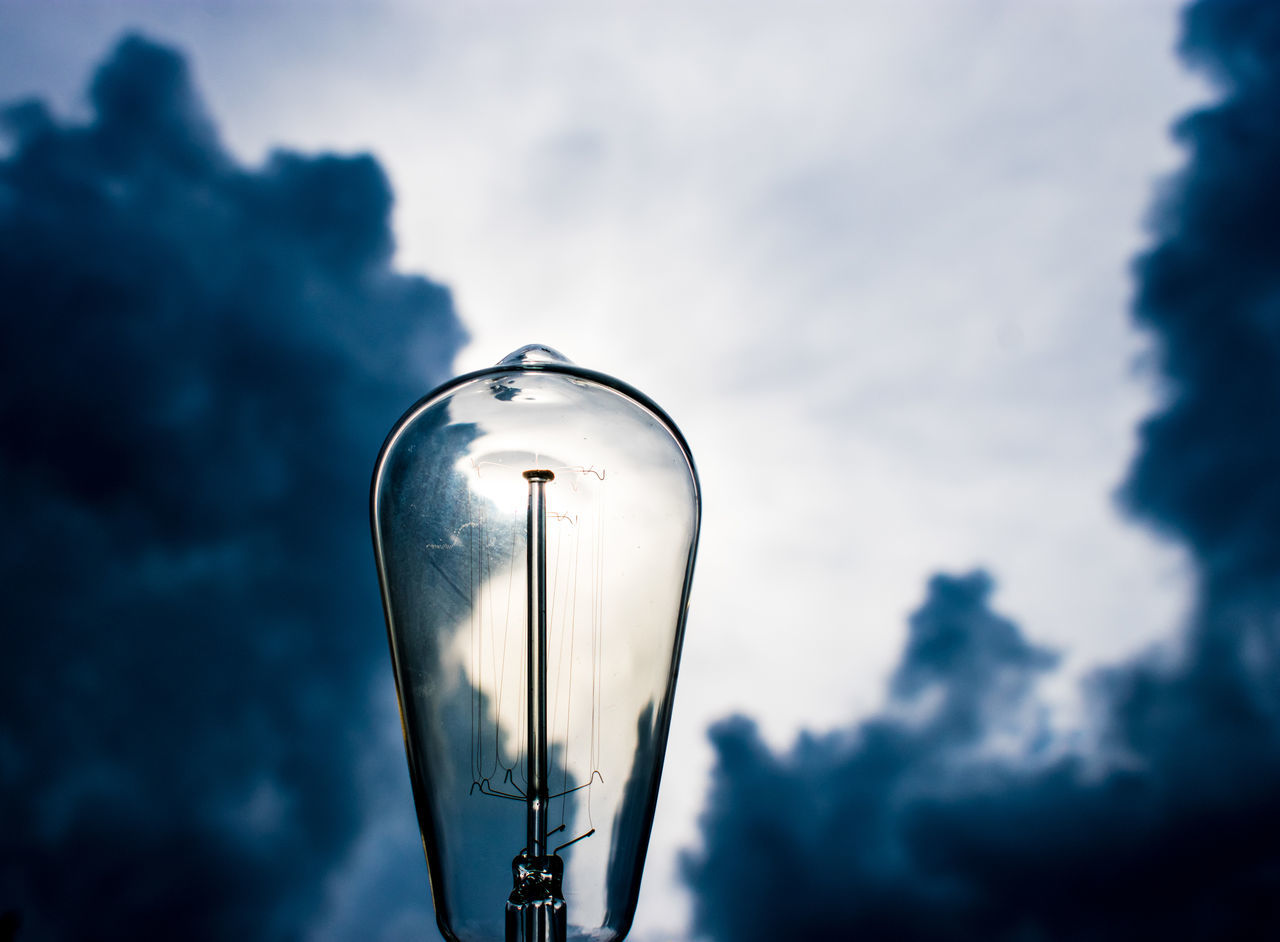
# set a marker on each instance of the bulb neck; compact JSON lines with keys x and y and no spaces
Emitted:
{"x":535,"y":908}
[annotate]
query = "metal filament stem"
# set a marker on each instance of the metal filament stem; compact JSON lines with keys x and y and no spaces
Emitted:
{"x":536,"y":908}
{"x":538,"y":797}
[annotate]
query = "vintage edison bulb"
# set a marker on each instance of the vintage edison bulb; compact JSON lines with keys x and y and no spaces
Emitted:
{"x":535,"y":526}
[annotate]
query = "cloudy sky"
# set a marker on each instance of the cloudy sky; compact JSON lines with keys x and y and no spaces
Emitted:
{"x":876,"y":259}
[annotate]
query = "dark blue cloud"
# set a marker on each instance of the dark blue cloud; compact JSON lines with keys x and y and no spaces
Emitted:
{"x":951,"y":815}
{"x":198,"y":362}
{"x":1209,"y":295}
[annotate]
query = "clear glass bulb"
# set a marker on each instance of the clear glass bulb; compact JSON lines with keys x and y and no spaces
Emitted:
{"x":535,"y":526}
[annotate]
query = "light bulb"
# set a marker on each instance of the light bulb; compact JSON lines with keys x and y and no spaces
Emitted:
{"x":535,"y":526}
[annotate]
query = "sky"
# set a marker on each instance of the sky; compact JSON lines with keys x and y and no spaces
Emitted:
{"x":912,"y":279}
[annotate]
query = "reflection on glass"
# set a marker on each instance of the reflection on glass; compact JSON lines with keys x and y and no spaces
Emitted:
{"x":535,"y":527}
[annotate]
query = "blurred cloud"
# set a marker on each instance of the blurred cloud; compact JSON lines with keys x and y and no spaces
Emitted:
{"x":198,"y":361}
{"x":953,"y":814}
{"x":826,"y":221}
{"x":894,"y":235}
{"x":1209,"y":294}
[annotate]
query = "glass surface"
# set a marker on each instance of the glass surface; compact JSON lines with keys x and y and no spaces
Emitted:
{"x":451,"y":509}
